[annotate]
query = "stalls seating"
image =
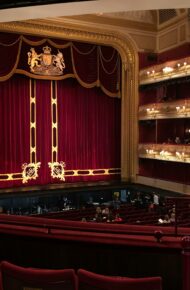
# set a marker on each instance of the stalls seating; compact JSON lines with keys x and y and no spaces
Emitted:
{"x":92,"y":281}
{"x":16,"y":278}
{"x":13,"y":277}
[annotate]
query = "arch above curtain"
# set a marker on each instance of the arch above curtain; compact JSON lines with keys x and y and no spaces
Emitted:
{"x":92,"y":65}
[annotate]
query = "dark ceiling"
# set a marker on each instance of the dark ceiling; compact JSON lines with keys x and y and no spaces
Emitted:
{"x":5,"y":4}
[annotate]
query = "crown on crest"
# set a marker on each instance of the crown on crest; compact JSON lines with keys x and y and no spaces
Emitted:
{"x":47,"y":49}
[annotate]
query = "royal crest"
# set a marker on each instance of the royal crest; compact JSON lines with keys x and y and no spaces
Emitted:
{"x":46,"y":63}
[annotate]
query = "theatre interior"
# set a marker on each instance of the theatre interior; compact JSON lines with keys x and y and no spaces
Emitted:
{"x":95,"y":149}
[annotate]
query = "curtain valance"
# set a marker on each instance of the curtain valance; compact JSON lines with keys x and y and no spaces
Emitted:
{"x":92,"y":65}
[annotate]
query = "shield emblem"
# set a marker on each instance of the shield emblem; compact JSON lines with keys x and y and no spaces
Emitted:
{"x":47,"y":59}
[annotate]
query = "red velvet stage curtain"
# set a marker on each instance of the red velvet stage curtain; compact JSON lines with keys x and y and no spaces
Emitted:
{"x":14,"y":128}
{"x":103,"y":67}
{"x":89,"y":129}
{"x":73,"y":118}
{"x":10,"y":53}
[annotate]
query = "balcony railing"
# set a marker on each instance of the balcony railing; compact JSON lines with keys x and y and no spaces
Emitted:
{"x":165,"y":71}
{"x":166,"y":110}
{"x":167,"y":152}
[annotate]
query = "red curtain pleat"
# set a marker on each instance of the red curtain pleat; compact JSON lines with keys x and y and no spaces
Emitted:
{"x":14,"y":126}
{"x":89,"y":129}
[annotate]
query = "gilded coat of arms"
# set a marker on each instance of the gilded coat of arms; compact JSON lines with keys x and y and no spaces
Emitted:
{"x":46,"y":63}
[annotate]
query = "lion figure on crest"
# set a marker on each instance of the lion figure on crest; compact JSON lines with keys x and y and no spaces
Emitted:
{"x":33,"y":58}
{"x":58,"y":60}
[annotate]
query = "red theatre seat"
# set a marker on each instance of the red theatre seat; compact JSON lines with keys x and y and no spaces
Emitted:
{"x":17,"y":278}
{"x":92,"y":281}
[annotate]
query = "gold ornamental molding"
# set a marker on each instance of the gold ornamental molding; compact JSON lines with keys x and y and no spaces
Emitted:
{"x":60,"y":29}
{"x":65,"y":29}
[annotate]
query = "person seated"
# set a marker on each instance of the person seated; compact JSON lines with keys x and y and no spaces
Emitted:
{"x":172,"y":217}
{"x":151,"y":207}
{"x":105,"y":211}
{"x":98,"y":214}
{"x":107,"y":215}
{"x":177,"y":140}
{"x":165,"y":220}
{"x":109,"y":218}
{"x":138,"y":200}
{"x":118,"y":219}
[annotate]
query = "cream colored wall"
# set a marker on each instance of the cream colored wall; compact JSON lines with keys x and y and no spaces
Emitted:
{"x":172,"y":37}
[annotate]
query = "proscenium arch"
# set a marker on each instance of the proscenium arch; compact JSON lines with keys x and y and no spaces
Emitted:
{"x":129,"y":57}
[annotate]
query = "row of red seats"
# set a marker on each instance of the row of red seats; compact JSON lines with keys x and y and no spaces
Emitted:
{"x":128,"y":213}
{"x":13,"y":277}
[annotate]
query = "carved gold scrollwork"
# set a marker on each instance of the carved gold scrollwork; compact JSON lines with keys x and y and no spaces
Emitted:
{"x":30,"y":171}
{"x":57,"y":170}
